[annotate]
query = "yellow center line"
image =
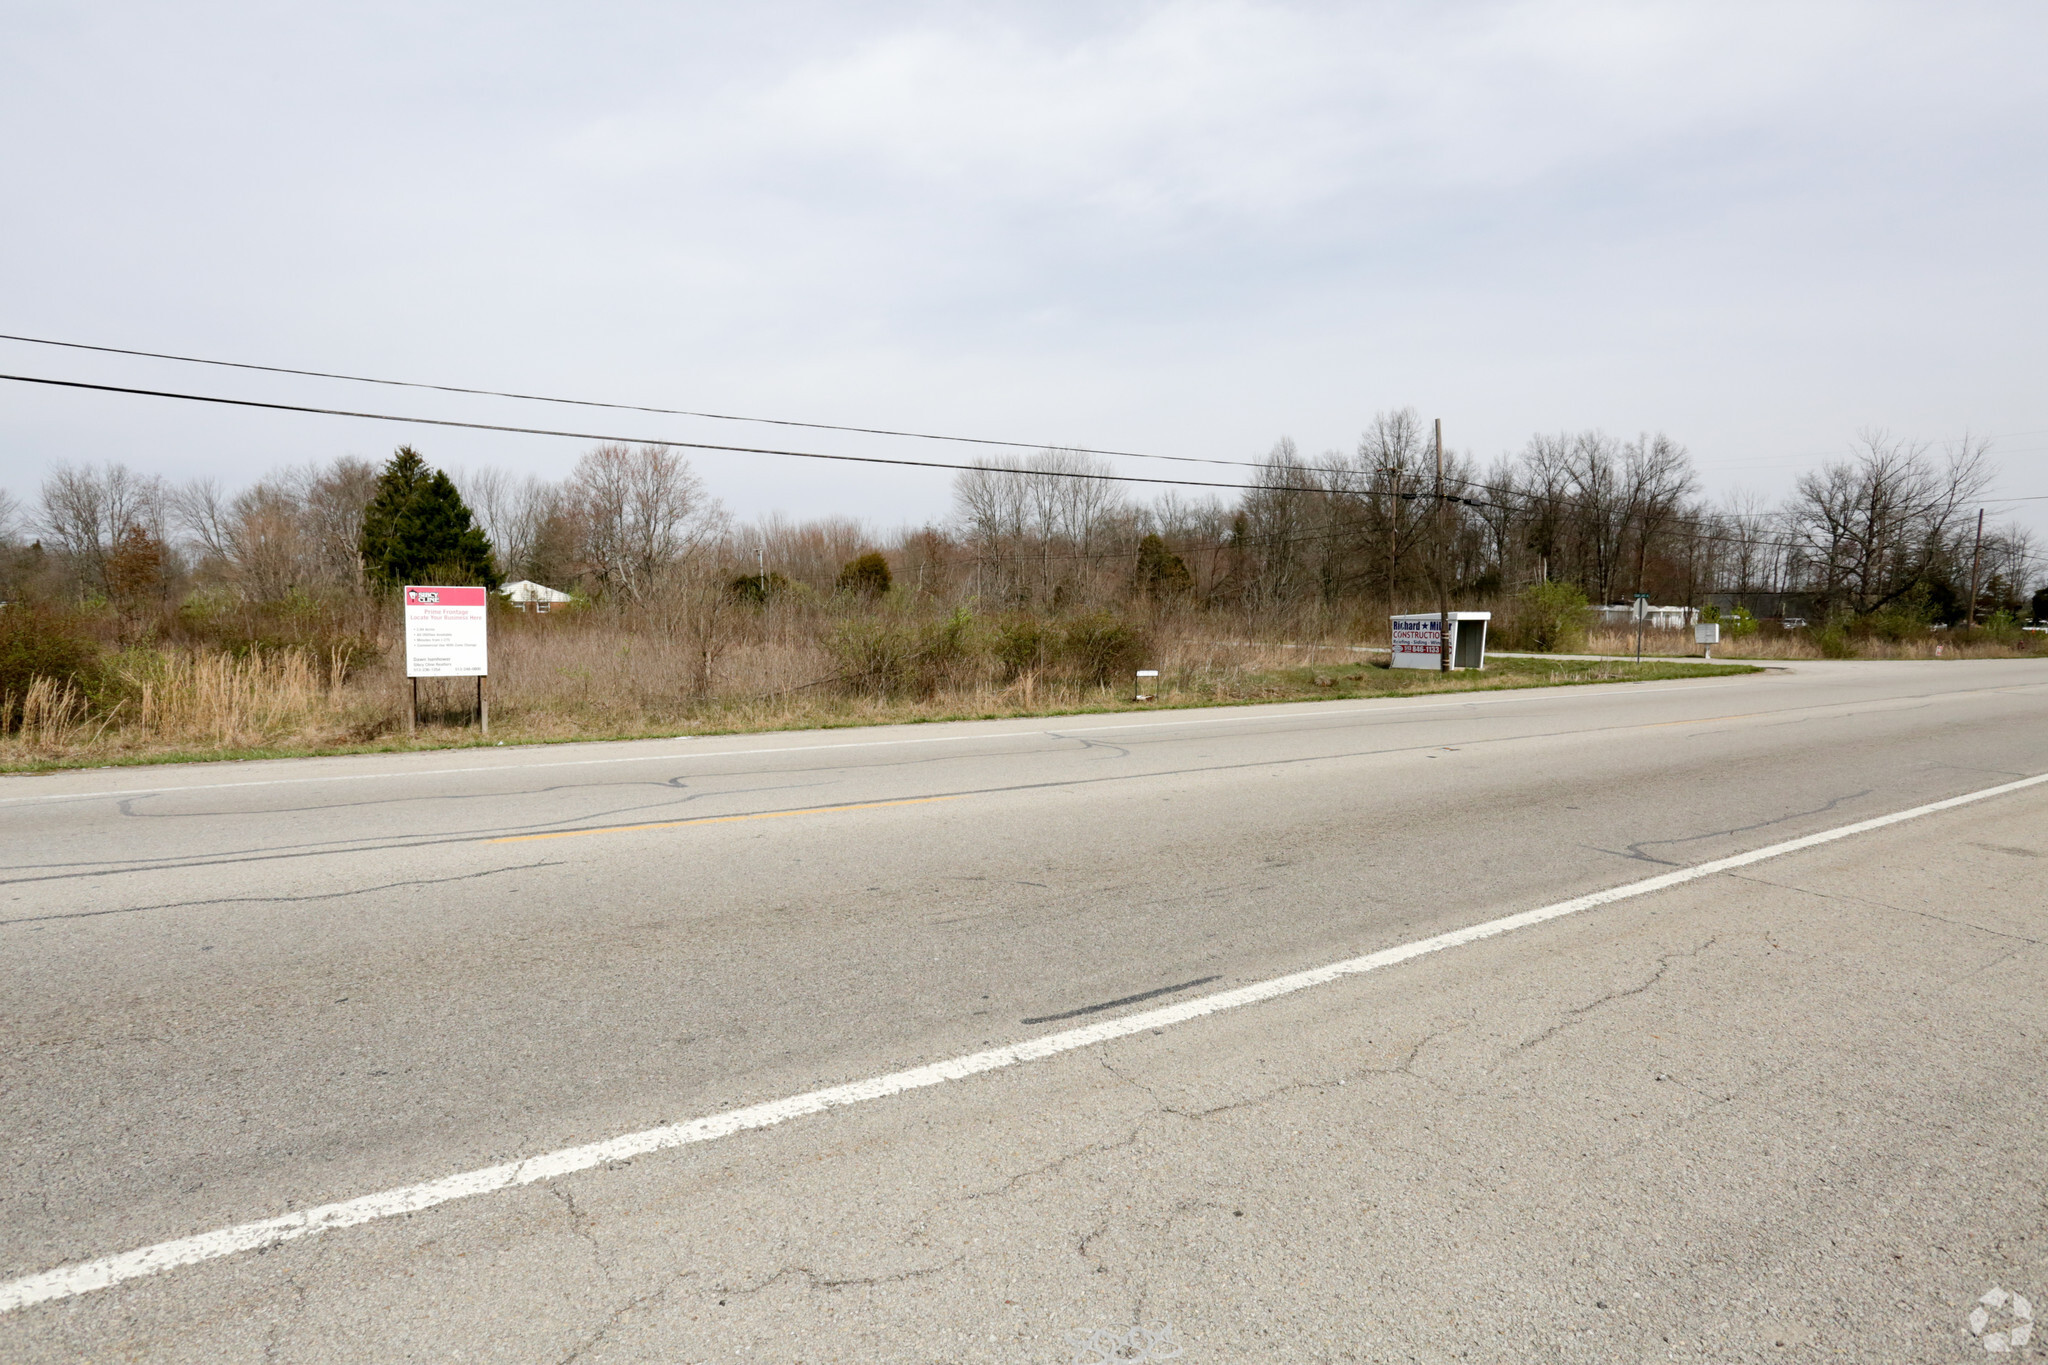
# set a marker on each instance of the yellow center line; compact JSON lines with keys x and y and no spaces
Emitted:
{"x":720,"y":819}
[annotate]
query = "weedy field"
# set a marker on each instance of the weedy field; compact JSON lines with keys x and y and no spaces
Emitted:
{"x":605,"y":676}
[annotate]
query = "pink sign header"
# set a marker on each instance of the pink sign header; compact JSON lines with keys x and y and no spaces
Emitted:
{"x":446,"y":597}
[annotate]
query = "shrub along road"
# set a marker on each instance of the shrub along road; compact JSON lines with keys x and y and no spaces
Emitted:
{"x":1340,"y":672}
{"x":1797,"y":1101}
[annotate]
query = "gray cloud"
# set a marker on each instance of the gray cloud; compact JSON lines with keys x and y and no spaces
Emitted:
{"x":1185,"y":227}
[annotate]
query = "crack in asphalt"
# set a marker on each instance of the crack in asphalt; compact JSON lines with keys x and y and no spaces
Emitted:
{"x":274,"y":1338}
{"x":125,"y":807}
{"x":1760,"y":880}
{"x":1577,"y":1015}
{"x":355,"y":845}
{"x":817,"y":1281}
{"x":1382,"y":720}
{"x":1635,"y":852}
{"x":280,"y":900}
{"x":618,"y":1315}
{"x":237,"y":857}
{"x":1403,"y":1067}
{"x":580,"y":1226}
{"x":302,"y":851}
{"x":1118,"y":750}
{"x":1011,"y":1182}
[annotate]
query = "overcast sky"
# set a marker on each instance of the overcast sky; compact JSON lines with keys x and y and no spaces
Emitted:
{"x":1186,"y":228}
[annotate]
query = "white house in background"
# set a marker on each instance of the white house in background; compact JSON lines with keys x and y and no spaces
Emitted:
{"x":1656,"y":618}
{"x":530,"y":596}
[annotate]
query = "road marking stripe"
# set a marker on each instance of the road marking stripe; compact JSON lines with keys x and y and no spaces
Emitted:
{"x":68,"y":1281}
{"x":723,"y":819}
{"x":1364,"y":706}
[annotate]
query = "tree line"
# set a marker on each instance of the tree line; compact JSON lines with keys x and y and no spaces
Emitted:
{"x":1890,"y":529}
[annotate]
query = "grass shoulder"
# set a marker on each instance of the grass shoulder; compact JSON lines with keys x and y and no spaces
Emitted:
{"x":1327,"y":682}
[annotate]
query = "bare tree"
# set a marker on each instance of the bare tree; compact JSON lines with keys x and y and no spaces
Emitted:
{"x":493,"y":496}
{"x":1397,"y":461}
{"x":529,"y":521}
{"x":201,"y":509}
{"x":333,"y":498}
{"x":266,"y":541}
{"x":86,"y":509}
{"x":1599,"y":515}
{"x":811,"y":552}
{"x":10,"y":516}
{"x":1656,"y":479}
{"x":644,"y":513}
{"x":1868,"y":529}
{"x":1050,"y":511}
{"x":1748,"y":534}
{"x":1279,"y":518}
{"x":1545,"y":483}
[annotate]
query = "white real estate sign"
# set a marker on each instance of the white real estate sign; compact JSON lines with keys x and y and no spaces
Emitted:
{"x":445,"y":633}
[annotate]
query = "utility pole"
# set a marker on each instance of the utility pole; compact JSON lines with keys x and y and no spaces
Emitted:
{"x":1976,"y":558}
{"x":1443,"y":578}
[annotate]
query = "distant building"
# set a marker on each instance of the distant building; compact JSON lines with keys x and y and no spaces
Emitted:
{"x":1656,"y":618}
{"x":530,"y":596}
{"x":1768,"y":606}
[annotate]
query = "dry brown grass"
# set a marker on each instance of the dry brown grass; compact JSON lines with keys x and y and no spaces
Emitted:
{"x":605,"y":678}
{"x":186,"y":699}
{"x":216,"y":699}
{"x":601,"y":675}
{"x":1769,"y":642}
{"x":54,"y":717}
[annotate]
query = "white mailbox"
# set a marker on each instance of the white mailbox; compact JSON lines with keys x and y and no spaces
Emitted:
{"x":1418,"y":639}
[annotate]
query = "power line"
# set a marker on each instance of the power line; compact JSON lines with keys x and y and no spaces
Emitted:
{"x":636,"y":440}
{"x":1270,"y":466}
{"x":712,"y":416}
{"x":618,"y":407}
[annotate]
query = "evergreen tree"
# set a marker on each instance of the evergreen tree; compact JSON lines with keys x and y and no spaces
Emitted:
{"x":1161,"y":572}
{"x":417,"y":529}
{"x":866,"y":575}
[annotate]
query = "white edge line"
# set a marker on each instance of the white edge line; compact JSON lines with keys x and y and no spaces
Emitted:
{"x":68,"y":1281}
{"x":1040,"y":732}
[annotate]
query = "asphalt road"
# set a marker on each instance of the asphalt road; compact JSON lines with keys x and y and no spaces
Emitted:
{"x":1796,"y":1104}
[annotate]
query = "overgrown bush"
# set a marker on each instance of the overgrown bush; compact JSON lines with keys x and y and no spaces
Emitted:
{"x":1551,"y":618}
{"x":1834,"y":641}
{"x":886,"y":658}
{"x":326,"y":630}
{"x":2003,"y":627}
{"x":38,"y":642}
{"x":866,"y":575}
{"x":1161,"y":572}
{"x":1020,"y":645}
{"x":1906,"y":618}
{"x":1099,"y":646}
{"x":759,"y":588}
